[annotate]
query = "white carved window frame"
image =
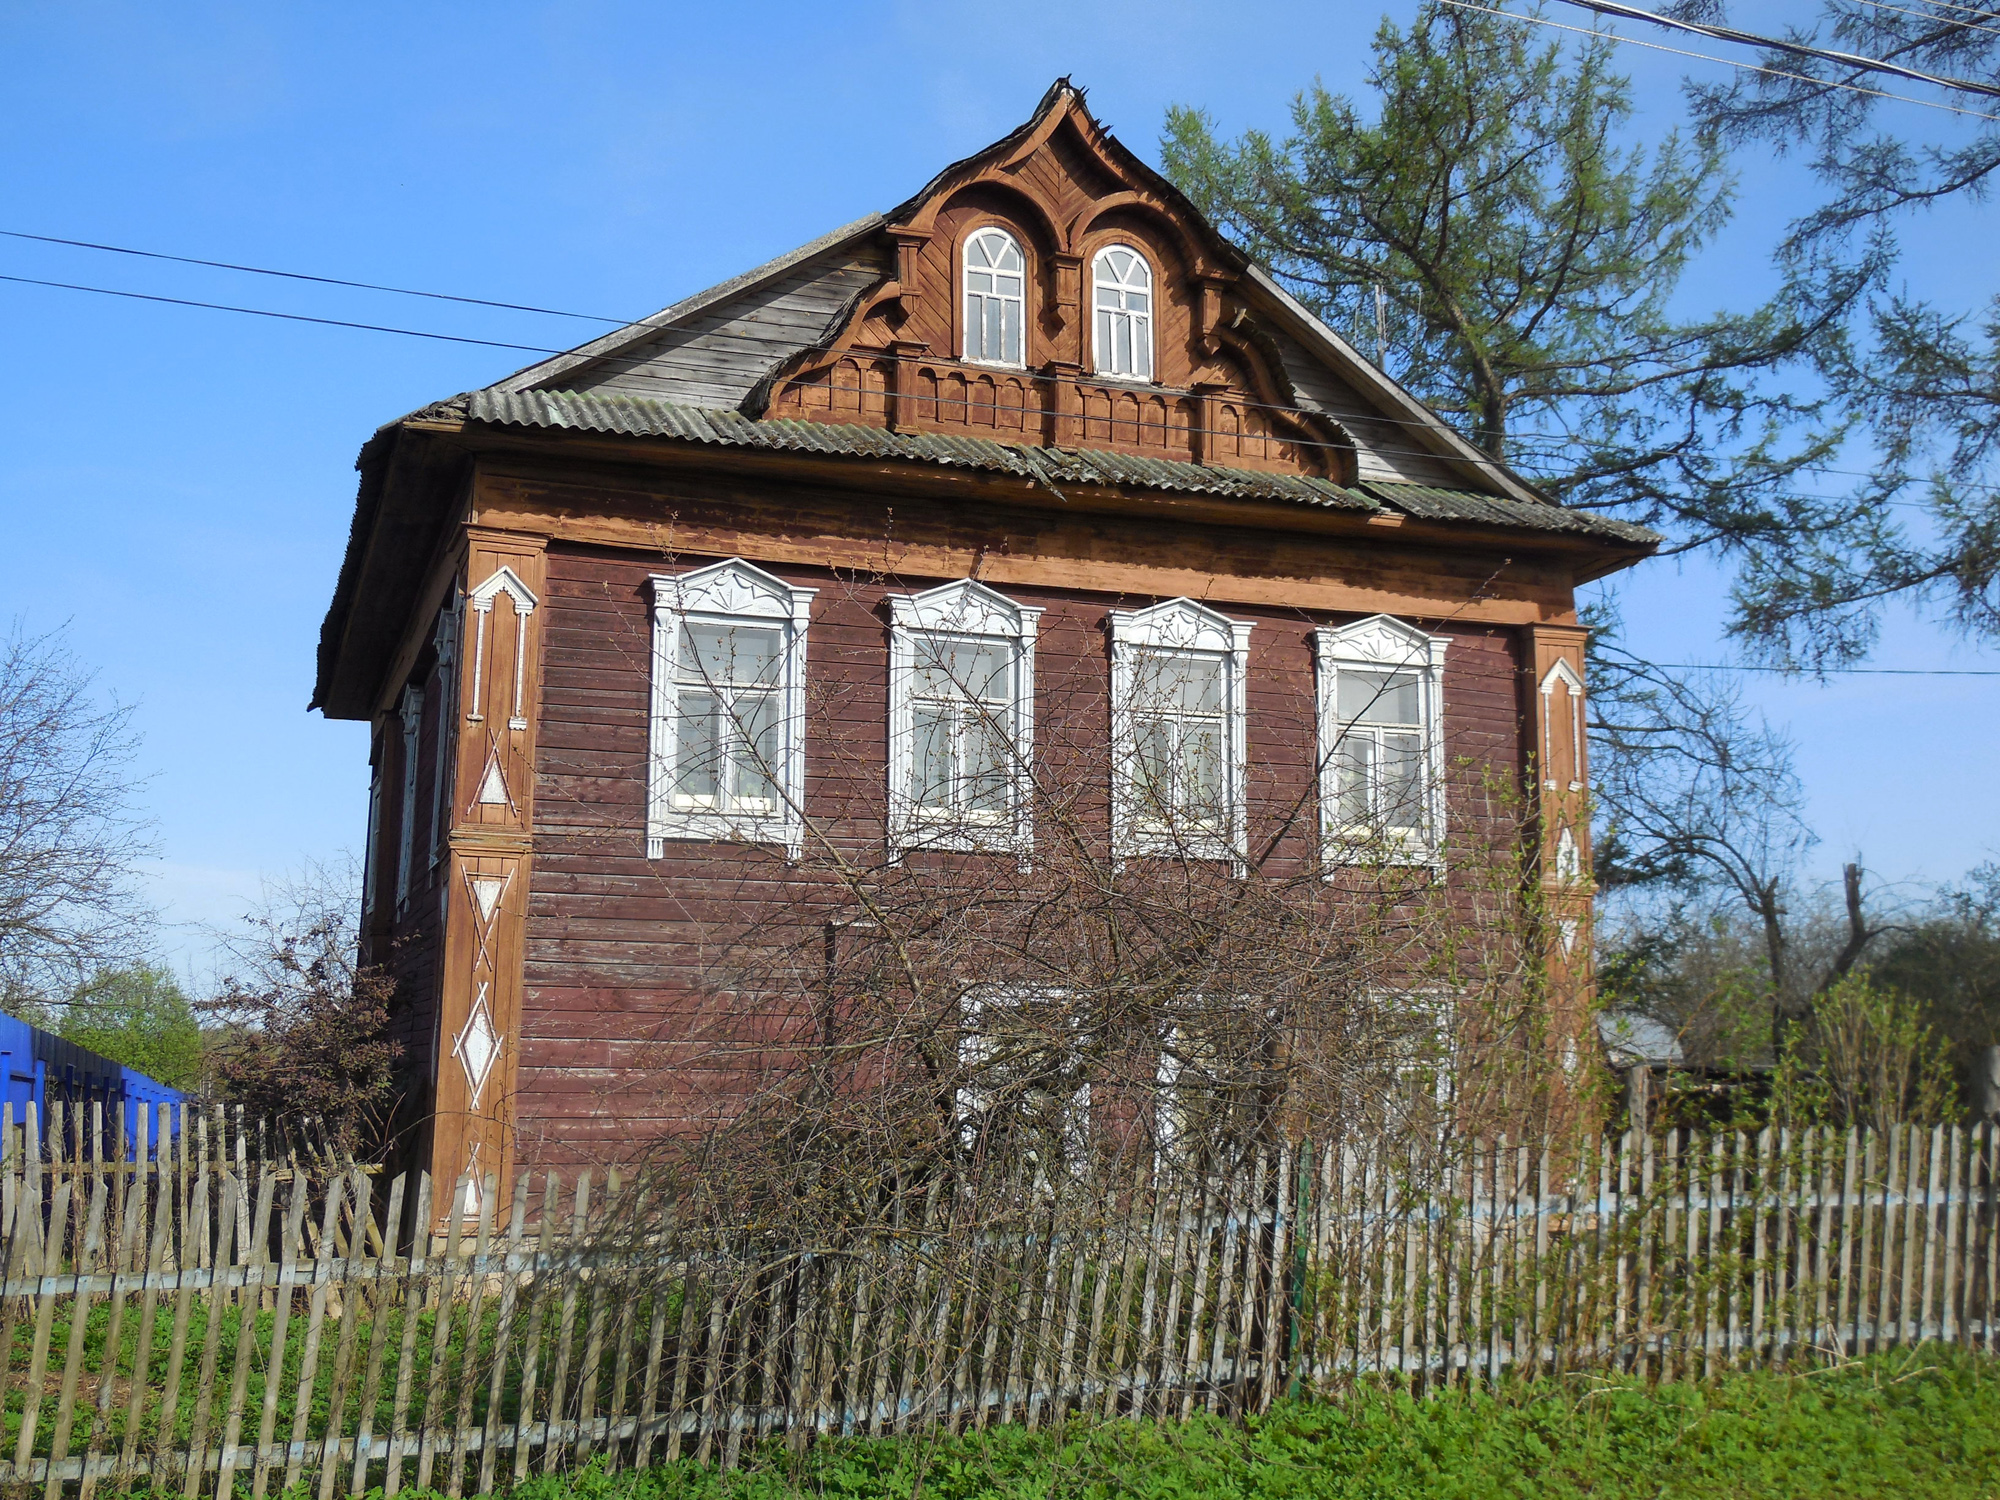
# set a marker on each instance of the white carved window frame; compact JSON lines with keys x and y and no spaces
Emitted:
{"x":1180,"y":627}
{"x":1141,"y":323}
{"x":967,"y":303}
{"x":728,"y":593}
{"x":1380,"y":643}
{"x":971,"y":1103}
{"x":965,"y":610}
{"x":412,"y":715}
{"x":1430,"y":1048}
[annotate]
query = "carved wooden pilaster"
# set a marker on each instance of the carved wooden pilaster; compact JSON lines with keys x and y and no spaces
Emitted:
{"x":1064,"y":312}
{"x":909,"y":265}
{"x":490,"y":851}
{"x":1558,"y":777}
{"x":903,"y":384}
{"x":1065,"y":428}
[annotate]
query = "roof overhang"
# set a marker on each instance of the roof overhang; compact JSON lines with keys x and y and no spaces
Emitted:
{"x":415,"y":490}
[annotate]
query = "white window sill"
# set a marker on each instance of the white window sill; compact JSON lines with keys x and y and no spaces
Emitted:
{"x":720,"y":828}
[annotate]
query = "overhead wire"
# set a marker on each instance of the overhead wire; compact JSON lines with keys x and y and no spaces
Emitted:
{"x":1618,"y":10}
{"x":1728,"y":62}
{"x":1711,"y":666}
{"x":366,"y":286}
{"x":1932,"y":15}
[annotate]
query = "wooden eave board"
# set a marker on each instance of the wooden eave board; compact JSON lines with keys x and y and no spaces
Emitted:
{"x":419,"y":489}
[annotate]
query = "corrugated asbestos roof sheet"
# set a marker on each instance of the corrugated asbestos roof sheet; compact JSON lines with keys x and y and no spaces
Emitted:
{"x":1430,"y":503}
{"x":636,"y":416}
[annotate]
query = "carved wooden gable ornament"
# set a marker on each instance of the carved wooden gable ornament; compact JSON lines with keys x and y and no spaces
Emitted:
{"x":1054,"y":289}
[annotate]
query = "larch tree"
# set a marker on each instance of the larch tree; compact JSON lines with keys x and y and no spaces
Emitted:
{"x":1486,"y":217}
{"x":1922,"y":375}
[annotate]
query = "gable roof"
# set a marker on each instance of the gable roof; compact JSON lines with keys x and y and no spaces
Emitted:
{"x":715,"y":348}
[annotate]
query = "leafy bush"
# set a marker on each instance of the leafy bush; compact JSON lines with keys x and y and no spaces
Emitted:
{"x":1917,"y":1423}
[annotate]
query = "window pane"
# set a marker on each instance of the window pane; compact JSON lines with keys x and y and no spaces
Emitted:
{"x":1354,"y":763}
{"x":1142,"y":351}
{"x":1152,"y":775}
{"x":1009,"y":258}
{"x":1010,"y":338}
{"x":754,"y":761}
{"x":1192,"y":684}
{"x":721,"y":654}
{"x":955,"y":670}
{"x":1402,"y":781}
{"x":1378,"y":698}
{"x":987,"y":761}
{"x":694,"y":747}
{"x":930,"y":771}
{"x":1201,"y":771}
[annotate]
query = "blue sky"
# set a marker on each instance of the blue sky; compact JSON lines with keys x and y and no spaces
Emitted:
{"x":176,"y":485}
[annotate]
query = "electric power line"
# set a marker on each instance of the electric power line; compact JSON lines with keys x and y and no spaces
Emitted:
{"x":366,"y":286}
{"x":1620,"y":11}
{"x":265,"y":312}
{"x":1710,"y":666}
{"x":1728,"y":62}
{"x":1932,"y":16}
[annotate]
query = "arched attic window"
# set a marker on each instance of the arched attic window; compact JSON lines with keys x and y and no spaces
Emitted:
{"x":1123,"y":284}
{"x":995,"y":297}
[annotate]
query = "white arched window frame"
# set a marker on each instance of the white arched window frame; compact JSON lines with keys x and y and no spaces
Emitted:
{"x":1122,"y":313}
{"x":1178,"y":706}
{"x":728,"y":708}
{"x":961,"y":720}
{"x":995,"y":277}
{"x":1381,"y":741}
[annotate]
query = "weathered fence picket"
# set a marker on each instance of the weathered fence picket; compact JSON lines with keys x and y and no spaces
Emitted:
{"x":185,"y":1309}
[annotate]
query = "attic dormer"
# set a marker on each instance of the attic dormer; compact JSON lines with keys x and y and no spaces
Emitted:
{"x":1055,"y":290}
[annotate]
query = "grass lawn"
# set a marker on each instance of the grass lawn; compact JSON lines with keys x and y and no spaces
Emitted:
{"x":1922,"y":1423}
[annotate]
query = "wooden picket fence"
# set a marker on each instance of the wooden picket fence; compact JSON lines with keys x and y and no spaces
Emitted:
{"x":200,"y":1310}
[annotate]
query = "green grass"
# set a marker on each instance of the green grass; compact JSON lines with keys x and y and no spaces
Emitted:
{"x":1922,"y":1423}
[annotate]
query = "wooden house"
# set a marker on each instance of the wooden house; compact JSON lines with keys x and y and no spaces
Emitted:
{"x":1041,"y":406}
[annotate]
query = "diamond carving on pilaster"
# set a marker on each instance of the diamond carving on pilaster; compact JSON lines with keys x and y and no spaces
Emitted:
{"x":478,"y":1046}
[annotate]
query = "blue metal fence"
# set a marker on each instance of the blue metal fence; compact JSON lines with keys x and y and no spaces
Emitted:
{"x":41,"y":1068}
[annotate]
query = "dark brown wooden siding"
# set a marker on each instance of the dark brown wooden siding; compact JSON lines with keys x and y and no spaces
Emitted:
{"x":408,"y":942}
{"x":623,"y":1035}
